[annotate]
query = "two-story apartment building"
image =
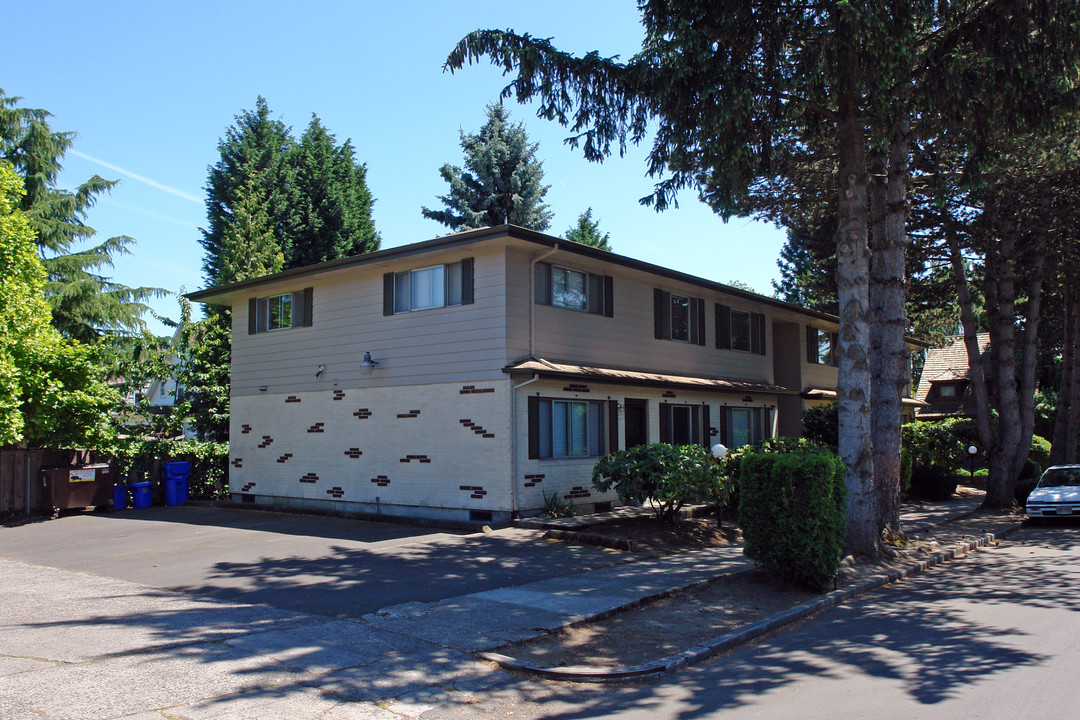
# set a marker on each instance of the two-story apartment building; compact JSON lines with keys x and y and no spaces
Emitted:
{"x":466,"y":377}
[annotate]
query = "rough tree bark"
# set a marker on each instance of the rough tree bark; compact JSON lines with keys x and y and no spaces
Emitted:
{"x":1067,"y":418}
{"x":888,"y":241}
{"x":852,"y":280}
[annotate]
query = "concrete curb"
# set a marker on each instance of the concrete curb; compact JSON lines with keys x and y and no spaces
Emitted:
{"x":745,"y":634}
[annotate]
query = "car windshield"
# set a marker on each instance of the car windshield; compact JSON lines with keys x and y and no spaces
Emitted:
{"x":1061,"y":477}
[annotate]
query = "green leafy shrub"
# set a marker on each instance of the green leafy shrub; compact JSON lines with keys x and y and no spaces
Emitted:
{"x":1040,"y":453}
{"x":932,"y":482}
{"x":731,"y":463}
{"x":791,"y":512}
{"x":821,"y":423}
{"x":209,"y":463}
{"x":905,"y":471}
{"x":557,"y":507}
{"x":669,"y":476}
{"x":934,"y":443}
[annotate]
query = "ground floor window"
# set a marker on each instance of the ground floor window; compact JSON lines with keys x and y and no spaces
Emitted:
{"x":566,"y":428}
{"x":743,"y":425}
{"x":684,"y":424}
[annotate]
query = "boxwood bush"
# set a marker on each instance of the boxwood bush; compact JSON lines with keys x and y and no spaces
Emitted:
{"x":668,"y":475}
{"x":791,"y":511}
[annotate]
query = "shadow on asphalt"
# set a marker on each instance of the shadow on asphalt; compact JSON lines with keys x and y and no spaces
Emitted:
{"x":322,"y":526}
{"x":913,"y":633}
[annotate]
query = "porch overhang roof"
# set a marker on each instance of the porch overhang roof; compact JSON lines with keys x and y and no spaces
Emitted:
{"x":548,"y":369}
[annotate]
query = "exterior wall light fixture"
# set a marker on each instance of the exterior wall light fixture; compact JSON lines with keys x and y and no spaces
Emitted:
{"x":367,"y":365}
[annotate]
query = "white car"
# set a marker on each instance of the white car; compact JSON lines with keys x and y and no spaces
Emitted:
{"x":1057,"y":494}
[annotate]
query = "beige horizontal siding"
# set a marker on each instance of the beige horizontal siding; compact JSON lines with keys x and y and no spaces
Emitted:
{"x":465,"y":343}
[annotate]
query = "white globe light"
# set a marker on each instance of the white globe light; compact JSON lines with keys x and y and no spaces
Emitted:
{"x":719,"y":451}
{"x":972,"y":450}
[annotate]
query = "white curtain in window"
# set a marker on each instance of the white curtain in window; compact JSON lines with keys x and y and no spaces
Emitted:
{"x":427,"y":288}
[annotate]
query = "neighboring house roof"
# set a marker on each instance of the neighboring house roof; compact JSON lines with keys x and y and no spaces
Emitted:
{"x":946,"y":365}
{"x":234,"y":292}
{"x":548,"y":369}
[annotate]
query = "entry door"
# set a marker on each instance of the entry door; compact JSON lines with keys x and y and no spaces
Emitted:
{"x":637,"y":422}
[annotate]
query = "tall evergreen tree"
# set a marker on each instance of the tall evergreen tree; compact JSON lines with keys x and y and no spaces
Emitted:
{"x":86,"y":304}
{"x":502,"y":182}
{"x":330,"y":216}
{"x":587,"y":232}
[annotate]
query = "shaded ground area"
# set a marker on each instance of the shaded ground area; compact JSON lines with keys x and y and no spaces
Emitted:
{"x":679,"y":621}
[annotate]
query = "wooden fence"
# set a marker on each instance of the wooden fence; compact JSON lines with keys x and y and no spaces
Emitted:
{"x":21,"y":490}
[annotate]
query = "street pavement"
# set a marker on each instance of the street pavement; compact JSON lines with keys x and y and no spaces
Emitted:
{"x":187,"y":613}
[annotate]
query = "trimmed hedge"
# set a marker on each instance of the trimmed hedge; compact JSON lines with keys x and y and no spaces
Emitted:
{"x":791,"y":511}
{"x":669,"y":475}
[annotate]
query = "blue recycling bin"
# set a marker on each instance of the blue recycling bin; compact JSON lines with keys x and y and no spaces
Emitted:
{"x":176,"y":477}
{"x":141,"y":495}
{"x":119,"y":494}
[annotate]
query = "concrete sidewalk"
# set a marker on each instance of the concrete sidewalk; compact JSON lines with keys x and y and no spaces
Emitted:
{"x":75,"y":645}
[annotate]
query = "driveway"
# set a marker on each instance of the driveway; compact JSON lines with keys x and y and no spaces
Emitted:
{"x":324,"y":565}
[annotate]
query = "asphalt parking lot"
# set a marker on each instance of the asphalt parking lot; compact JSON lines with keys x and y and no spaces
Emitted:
{"x":329,"y":566}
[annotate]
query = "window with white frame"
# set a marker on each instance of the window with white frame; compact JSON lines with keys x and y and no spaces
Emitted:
{"x":678,"y":317}
{"x":821,"y":347}
{"x":572,"y":289}
{"x":740,"y":330}
{"x":743,"y":425}
{"x":280,"y":312}
{"x":430,"y":287}
{"x":566,"y":428}
{"x":684,"y":424}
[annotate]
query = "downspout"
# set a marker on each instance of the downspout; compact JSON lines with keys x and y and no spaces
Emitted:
{"x":514,"y":444}
{"x":532,"y":297}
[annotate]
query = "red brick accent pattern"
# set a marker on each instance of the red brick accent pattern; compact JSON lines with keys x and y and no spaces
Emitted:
{"x":335,"y":492}
{"x":381,"y":480}
{"x":669,"y":394}
{"x":317,"y":428}
{"x":309,"y":478}
{"x":362,"y":414}
{"x":533,"y":480}
{"x":473,"y":390}
{"x":577,"y":492}
{"x":409,"y":414}
{"x":339,"y":394}
{"x":267,"y":440}
{"x":284,"y":458}
{"x":292,"y":399}
{"x":238,"y":462}
{"x":478,"y":491}
{"x":575,"y":387}
{"x":418,"y":458}
{"x":476,"y":428}
{"x":245,"y":429}
{"x":248,"y":486}
{"x":354,"y":453}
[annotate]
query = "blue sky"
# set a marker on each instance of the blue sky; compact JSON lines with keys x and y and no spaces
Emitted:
{"x":151,"y":87}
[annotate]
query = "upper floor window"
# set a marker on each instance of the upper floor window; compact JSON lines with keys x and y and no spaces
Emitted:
{"x":429,"y":287}
{"x":678,"y":317}
{"x":821,"y":347}
{"x":740,"y":330}
{"x":573,"y":289}
{"x":280,"y":312}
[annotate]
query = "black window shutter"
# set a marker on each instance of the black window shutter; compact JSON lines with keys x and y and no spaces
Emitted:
{"x":705,"y":425}
{"x":757,"y":337}
{"x":613,"y":425}
{"x":700,"y":304}
{"x":468,"y":286}
{"x":534,"y":427}
{"x":388,"y":294}
{"x":695,"y":426}
{"x":725,"y":423}
{"x":665,"y":423}
{"x":609,"y":296}
{"x":723,"y":327}
{"x":811,"y":345}
{"x":309,"y":296}
{"x":661,"y":314}
{"x":253,"y":320}
{"x":542,"y":280}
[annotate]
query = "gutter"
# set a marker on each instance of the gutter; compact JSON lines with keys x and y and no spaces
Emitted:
{"x":514,"y":443}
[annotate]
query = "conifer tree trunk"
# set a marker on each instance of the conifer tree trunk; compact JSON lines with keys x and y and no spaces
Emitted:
{"x":852,"y":279}
{"x":1067,"y":418}
{"x":889,"y":321}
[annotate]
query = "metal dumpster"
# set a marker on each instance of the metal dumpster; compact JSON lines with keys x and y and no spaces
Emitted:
{"x":78,"y":486}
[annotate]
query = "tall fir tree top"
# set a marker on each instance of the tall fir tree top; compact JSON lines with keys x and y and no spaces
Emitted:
{"x":502,"y":182}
